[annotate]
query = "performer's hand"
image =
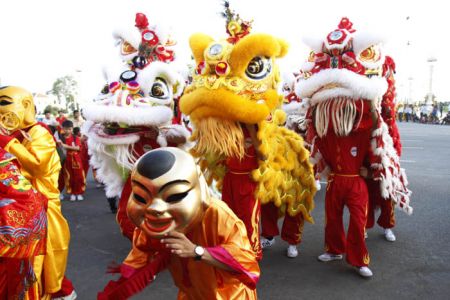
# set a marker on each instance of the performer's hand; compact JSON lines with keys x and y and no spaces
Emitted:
{"x":176,"y":140}
{"x":179,"y":244}
{"x":364,"y":172}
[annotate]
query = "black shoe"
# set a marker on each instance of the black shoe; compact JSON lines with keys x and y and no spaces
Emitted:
{"x":112,"y":204}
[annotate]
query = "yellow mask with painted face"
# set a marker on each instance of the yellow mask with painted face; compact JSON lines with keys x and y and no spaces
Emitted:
{"x":169,"y":192}
{"x":16,"y":108}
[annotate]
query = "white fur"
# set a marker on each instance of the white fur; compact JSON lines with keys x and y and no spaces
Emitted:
{"x":142,"y":116}
{"x":363,"y":40}
{"x":350,"y":84}
{"x":307,"y":66}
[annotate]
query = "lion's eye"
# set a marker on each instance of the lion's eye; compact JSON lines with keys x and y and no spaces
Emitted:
{"x":258,"y":68}
{"x":160,"y":89}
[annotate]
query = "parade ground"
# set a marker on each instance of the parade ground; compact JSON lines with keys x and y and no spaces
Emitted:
{"x":413,"y":267}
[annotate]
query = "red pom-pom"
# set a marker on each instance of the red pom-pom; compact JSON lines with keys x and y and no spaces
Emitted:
{"x":141,"y":21}
{"x":346,"y":24}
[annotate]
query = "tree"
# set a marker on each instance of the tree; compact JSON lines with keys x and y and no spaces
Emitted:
{"x":65,"y":88}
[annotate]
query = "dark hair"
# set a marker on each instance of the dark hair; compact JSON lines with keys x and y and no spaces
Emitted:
{"x":76,"y":130}
{"x":76,"y":111}
{"x":67,"y":124}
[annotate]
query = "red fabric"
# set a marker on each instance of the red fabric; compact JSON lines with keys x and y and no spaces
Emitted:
{"x":16,"y":276}
{"x":74,"y":176}
{"x":222,"y":255}
{"x":387,"y":217}
{"x":133,"y":281}
{"x":292,"y":229}
{"x":126,"y":226}
{"x":85,"y":155}
{"x":238,"y":193}
{"x":352,"y":192}
{"x":4,"y":140}
{"x":66,"y":289}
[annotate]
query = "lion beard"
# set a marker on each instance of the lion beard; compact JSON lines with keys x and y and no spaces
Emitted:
{"x":343,"y":114}
{"x":112,"y":163}
{"x":219,"y":138}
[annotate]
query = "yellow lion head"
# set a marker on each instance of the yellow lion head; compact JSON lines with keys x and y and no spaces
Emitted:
{"x":236,"y":82}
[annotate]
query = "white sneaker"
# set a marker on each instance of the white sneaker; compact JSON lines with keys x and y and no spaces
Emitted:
{"x":266,"y":243}
{"x":292,"y":251}
{"x":80,"y":197}
{"x":329,"y":257}
{"x":73,"y":198}
{"x":72,"y":296}
{"x":366,"y":235}
{"x":318,"y":186}
{"x":389,"y":235}
{"x":365,"y":272}
{"x":99,"y":185}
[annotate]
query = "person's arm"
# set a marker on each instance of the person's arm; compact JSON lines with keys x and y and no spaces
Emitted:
{"x":72,"y":148}
{"x":34,"y":159}
{"x":181,"y":246}
{"x":252,"y":130}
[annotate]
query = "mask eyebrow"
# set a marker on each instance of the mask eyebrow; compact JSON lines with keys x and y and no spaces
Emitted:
{"x":151,"y":189}
{"x":173,"y":182}
{"x":5,"y":97}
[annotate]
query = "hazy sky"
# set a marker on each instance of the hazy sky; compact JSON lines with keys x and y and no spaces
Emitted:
{"x":43,"y":40}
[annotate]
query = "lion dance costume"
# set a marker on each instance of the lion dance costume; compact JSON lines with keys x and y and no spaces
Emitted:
{"x":35,"y":149}
{"x":344,"y":89}
{"x":232,"y":103}
{"x":134,"y":113}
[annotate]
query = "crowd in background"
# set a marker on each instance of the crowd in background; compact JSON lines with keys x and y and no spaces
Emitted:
{"x":430,"y":114}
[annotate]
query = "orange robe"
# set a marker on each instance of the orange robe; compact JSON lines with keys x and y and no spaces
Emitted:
{"x":40,"y":165}
{"x":224,"y":236}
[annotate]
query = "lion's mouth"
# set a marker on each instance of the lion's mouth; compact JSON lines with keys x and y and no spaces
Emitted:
{"x":117,"y":129}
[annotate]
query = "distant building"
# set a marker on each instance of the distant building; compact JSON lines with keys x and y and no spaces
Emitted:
{"x":43,"y":100}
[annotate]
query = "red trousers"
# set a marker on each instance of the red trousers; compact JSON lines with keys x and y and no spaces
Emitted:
{"x":292,"y":229}
{"x":351,"y":192}
{"x":387,"y":217}
{"x":238,"y":192}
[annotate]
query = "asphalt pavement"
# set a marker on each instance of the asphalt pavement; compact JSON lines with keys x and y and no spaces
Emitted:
{"x":414,"y":267}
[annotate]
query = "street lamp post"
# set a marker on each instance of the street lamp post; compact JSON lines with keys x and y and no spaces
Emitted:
{"x":431,"y":61}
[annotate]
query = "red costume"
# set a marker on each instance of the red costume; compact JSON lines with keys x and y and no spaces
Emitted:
{"x":344,"y":87}
{"x":74,"y":175}
{"x":238,"y":192}
{"x":345,"y":157}
{"x":292,"y":229}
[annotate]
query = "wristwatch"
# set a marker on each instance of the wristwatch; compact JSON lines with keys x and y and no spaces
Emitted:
{"x":199,"y":251}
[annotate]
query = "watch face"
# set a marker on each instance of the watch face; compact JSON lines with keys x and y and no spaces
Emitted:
{"x":199,"y":251}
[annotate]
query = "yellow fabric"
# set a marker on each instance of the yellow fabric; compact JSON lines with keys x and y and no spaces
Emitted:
{"x":219,"y":227}
{"x":40,"y":165}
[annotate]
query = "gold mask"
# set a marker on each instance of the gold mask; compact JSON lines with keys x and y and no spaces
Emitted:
{"x":169,"y":192}
{"x":16,"y":108}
